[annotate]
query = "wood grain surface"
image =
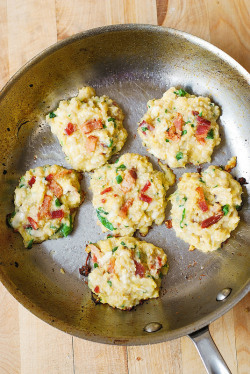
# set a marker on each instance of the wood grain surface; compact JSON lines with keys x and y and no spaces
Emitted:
{"x":30,"y":346}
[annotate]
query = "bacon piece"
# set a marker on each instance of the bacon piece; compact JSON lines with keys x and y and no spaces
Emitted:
{"x":91,"y":143}
{"x":171,"y":134}
{"x":32,"y":181}
{"x":97,"y":289}
{"x":111,"y":265}
{"x":91,"y":125}
{"x":211,"y":220}
{"x":57,"y":214}
{"x":139,"y":269}
{"x":108,"y":189}
{"x":168,"y":224}
{"x":44,"y":208}
{"x":70,"y":128}
{"x":178,"y":123}
{"x":203,"y":121}
{"x":124,"y":209}
{"x":128,"y":181}
{"x":133,"y":173}
{"x":145,"y":124}
{"x":33,"y":223}
{"x":195,"y":113}
{"x":62,"y":173}
{"x":95,"y":252}
{"x":201,"y":132}
{"x":145,"y":198}
{"x":146,"y":187}
{"x":202,"y":201}
{"x":56,"y":188}
{"x":49,"y":177}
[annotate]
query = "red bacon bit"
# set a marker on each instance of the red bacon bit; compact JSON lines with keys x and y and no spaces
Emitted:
{"x":33,"y":223}
{"x":91,"y":125}
{"x":103,"y":201}
{"x":91,"y":143}
{"x":201,"y":133}
{"x":146,"y":187}
{"x":97,"y":289}
{"x":57,"y":214}
{"x":211,"y":220}
{"x":128,"y":181}
{"x":32,"y":181}
{"x":145,"y":198}
{"x":202,"y":201}
{"x":195,"y":113}
{"x":178,"y":123}
{"x":168,"y":224}
{"x":111,"y":266}
{"x":124,"y":209}
{"x":171,"y":134}
{"x":70,"y":128}
{"x":203,"y":121}
{"x":139,"y":269}
{"x":44,"y":208}
{"x":145,"y":124}
{"x":108,"y":189}
{"x":62,"y":173}
{"x":56,"y":188}
{"x":49,"y":177}
{"x":133,"y":173}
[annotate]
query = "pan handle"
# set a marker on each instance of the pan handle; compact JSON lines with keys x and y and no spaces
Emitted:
{"x":211,"y":357}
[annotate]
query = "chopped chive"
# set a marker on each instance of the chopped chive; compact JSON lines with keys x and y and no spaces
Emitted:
{"x":119,"y":179}
{"x":111,"y":143}
{"x":52,"y":115}
{"x":144,"y":129}
{"x":180,"y":92}
{"x":109,"y":283}
{"x":184,"y":132}
{"x":210,"y":134}
{"x":200,"y":114}
{"x":124,"y":244}
{"x":158,"y":119}
{"x":202,"y":181}
{"x":29,"y":246}
{"x":167,"y":140}
{"x":57,"y":202}
{"x":166,"y":110}
{"x":225,"y":209}
{"x":182,"y":217}
{"x":114,"y":249}
{"x":111,"y":119}
{"x":121,"y":167}
{"x":96,"y":265}
{"x":179,"y":156}
{"x":192,"y":125}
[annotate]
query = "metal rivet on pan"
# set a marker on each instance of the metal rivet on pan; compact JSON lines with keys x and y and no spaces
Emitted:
{"x":223,"y":294}
{"x":152,"y":327}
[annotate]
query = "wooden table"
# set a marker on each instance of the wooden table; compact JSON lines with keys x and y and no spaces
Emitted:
{"x":30,"y":346}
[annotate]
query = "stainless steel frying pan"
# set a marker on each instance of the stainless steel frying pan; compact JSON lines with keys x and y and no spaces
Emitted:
{"x":130,"y":63}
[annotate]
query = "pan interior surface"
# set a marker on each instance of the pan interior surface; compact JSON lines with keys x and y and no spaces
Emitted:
{"x":131,"y":64}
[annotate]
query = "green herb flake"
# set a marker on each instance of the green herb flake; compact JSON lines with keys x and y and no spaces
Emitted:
{"x":182,"y":218}
{"x":144,"y":129}
{"x":52,"y":115}
{"x":109,"y":236}
{"x":9,"y":218}
{"x":114,"y":249}
{"x":192,"y":125}
{"x":104,"y":221}
{"x":225,"y":209}
{"x":238,"y":207}
{"x":30,"y":243}
{"x":210,"y":134}
{"x":158,"y":119}
{"x":180,"y":92}
{"x":57,"y":202}
{"x":114,"y":149}
{"x":96,"y":265}
{"x":167,"y":140}
{"x":111,"y":119}
{"x":138,"y":254}
{"x":166,"y":110}
{"x":124,"y":244}
{"x":102,"y":211}
{"x":200,"y":114}
{"x":202,"y":181}
{"x":121,"y":167}
{"x":179,"y":156}
{"x":111,"y":141}
{"x":109,"y":283}
{"x":184,"y":132}
{"x":160,"y":275}
{"x":104,"y":126}
{"x":118,"y":179}
{"x":187,"y":122}
{"x":216,"y":186}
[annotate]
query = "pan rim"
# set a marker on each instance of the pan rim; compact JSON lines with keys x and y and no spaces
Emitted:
{"x":21,"y":297}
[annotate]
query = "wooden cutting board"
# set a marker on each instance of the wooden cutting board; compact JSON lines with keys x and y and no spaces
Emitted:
{"x":30,"y":346}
